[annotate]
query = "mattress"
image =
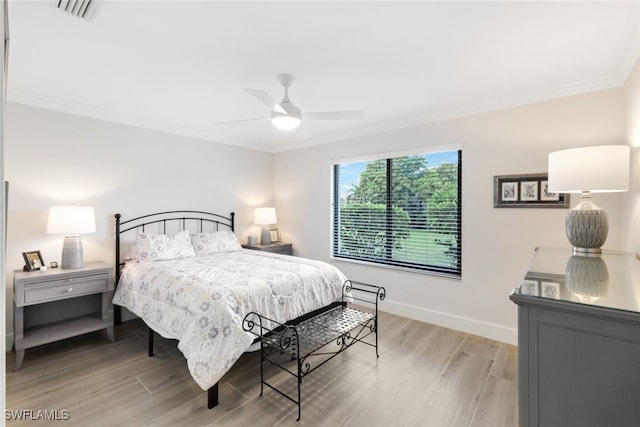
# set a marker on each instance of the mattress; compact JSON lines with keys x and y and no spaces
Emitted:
{"x":201,"y":301}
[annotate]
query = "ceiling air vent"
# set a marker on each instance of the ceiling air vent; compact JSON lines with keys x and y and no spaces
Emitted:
{"x":76,"y":8}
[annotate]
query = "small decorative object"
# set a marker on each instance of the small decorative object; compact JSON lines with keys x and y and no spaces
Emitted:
{"x":32,"y":260}
{"x":530,"y":287}
{"x":550,"y":290}
{"x":54,"y":264}
{"x":252,"y":240}
{"x":526,"y":191}
{"x":265,"y":217}
{"x":274,"y":236}
{"x":71,"y":221}
{"x":586,"y":170}
{"x":551,"y":286}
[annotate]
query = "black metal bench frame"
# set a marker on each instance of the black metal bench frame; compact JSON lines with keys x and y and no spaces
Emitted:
{"x":308,"y":339}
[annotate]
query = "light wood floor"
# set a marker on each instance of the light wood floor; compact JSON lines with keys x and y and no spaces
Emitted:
{"x":426,"y":376}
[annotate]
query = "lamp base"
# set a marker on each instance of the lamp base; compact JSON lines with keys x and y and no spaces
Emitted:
{"x":587,"y":277}
{"x":586,"y":226}
{"x":265,"y":237}
{"x":72,"y":254}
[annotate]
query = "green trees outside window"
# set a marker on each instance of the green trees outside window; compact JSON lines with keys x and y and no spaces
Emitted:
{"x":401,"y":211}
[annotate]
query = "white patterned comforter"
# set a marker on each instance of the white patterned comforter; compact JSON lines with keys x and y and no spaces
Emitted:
{"x":201,"y":301}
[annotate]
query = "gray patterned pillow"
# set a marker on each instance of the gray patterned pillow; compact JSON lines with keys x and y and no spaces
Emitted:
{"x":211,"y":243}
{"x":157,"y":247}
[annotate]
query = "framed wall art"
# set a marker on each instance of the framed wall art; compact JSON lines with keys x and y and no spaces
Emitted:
{"x":526,"y":191}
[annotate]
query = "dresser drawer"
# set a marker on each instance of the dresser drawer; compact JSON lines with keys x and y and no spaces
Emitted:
{"x":67,"y":288}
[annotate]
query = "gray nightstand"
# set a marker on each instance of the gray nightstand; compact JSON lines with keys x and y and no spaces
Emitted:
{"x":276,"y":248}
{"x":36,"y":288}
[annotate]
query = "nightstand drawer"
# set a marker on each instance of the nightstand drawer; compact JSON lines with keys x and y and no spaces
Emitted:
{"x":62,"y":289}
{"x":274,"y":248}
{"x":280,"y":249}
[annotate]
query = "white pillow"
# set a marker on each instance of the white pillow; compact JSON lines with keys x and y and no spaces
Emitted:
{"x":211,"y":243}
{"x":133,"y":254}
{"x":157,"y":247}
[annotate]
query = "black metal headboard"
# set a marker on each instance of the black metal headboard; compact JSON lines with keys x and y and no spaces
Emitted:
{"x":196,"y":221}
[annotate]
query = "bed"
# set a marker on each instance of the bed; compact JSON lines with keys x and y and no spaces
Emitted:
{"x":187,"y":276}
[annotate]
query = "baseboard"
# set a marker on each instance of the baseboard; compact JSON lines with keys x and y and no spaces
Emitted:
{"x":464,"y":324}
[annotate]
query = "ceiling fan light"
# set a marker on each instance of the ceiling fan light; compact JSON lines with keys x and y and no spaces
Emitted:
{"x":285,"y":122}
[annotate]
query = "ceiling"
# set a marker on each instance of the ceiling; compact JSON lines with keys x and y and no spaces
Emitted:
{"x":181,"y":66}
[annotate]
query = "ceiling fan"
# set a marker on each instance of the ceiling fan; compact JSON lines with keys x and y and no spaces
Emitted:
{"x":286,"y":116}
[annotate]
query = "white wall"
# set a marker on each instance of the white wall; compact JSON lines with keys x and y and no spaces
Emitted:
{"x":632,"y":138}
{"x":54,"y":158}
{"x":497,"y":243}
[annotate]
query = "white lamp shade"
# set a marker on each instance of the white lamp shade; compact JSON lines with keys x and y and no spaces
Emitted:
{"x":71,"y":220}
{"x":599,"y":169}
{"x":265,"y":216}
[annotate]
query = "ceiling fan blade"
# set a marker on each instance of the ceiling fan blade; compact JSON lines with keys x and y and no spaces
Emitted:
{"x":335,"y":115}
{"x":240,"y":121}
{"x":266,"y":99}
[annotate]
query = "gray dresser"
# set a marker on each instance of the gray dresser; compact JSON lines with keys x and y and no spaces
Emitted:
{"x":579,"y":340}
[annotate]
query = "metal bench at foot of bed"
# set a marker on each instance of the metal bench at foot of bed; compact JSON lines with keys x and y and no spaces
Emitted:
{"x":308,"y":342}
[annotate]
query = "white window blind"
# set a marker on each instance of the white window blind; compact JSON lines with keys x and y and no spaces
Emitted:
{"x":400,"y":211}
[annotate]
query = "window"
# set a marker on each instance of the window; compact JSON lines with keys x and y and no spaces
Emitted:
{"x":400,"y":211}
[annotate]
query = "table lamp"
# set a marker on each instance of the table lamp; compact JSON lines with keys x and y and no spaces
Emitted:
{"x":586,"y":170}
{"x":265,"y":217}
{"x":71,"y":221}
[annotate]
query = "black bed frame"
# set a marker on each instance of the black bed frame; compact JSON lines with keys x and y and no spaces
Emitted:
{"x":183,"y":218}
{"x":161,"y":219}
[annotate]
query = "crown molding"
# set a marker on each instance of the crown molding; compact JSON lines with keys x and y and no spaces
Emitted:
{"x":614,"y":80}
{"x":99,"y":113}
{"x":532,"y":97}
{"x":629,"y":48}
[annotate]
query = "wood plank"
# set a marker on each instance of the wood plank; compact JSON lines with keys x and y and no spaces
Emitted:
{"x":506,"y":364}
{"x":479,"y":346}
{"x":452,"y":399}
{"x":400,"y":387}
{"x":498,"y":405}
{"x":125,"y":407}
{"x":426,"y":375}
{"x":194,"y":412}
{"x":165,"y":375}
{"x":67,"y":386}
{"x":33,"y":380}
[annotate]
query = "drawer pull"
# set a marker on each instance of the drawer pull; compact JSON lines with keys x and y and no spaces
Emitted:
{"x":69,"y":289}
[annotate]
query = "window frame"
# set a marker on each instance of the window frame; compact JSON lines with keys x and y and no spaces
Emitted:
{"x":453,"y":273}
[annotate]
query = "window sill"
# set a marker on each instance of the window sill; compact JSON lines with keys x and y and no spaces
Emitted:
{"x":442,"y":275}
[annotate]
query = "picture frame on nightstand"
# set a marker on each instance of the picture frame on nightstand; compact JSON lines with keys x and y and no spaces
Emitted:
{"x":32,"y":260}
{"x":274,"y":236}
